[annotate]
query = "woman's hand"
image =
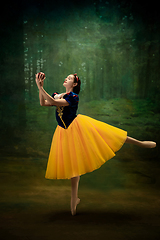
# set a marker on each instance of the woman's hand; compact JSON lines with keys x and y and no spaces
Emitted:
{"x":40,"y":79}
{"x":37,"y":81}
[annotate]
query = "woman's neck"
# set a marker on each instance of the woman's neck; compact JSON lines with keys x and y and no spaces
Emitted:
{"x":69,"y":90}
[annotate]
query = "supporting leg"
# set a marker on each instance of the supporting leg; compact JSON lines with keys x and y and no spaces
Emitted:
{"x":145,"y":144}
{"x":74,"y":194}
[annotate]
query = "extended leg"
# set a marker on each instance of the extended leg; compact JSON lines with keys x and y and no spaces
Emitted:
{"x":145,"y":144}
{"x":74,"y":194}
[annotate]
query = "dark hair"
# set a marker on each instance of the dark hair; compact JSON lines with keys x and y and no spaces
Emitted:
{"x":76,"y":89}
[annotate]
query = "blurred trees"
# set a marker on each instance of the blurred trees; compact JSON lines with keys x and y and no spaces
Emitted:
{"x":113,"y":46}
{"x":12,"y":104}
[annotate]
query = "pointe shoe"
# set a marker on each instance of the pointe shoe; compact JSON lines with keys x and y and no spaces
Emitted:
{"x":148,"y":144}
{"x":73,"y":209}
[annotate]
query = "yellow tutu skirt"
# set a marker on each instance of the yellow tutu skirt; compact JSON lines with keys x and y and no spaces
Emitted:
{"x":83,"y":147}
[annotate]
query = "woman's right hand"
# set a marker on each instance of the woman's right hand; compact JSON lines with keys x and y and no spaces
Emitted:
{"x":41,"y":78}
{"x":37,"y":80}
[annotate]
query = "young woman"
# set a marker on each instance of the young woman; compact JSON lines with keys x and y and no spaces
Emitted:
{"x":80,"y":144}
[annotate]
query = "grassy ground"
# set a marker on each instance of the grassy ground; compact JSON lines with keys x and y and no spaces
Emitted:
{"x":114,"y":208}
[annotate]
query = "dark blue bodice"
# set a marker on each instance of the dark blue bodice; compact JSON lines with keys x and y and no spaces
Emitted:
{"x":66,"y":114}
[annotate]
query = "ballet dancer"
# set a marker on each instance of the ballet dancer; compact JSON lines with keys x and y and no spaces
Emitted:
{"x":80,"y":143}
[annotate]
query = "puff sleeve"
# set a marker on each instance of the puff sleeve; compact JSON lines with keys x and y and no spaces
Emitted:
{"x":72,"y":98}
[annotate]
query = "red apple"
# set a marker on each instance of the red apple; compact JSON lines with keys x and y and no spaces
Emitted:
{"x":42,"y":76}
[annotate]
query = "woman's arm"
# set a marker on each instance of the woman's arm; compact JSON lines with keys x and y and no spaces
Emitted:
{"x":41,"y":98}
{"x":43,"y":102}
{"x":50,"y":101}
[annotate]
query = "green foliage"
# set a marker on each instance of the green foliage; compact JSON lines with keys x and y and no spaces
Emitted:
{"x":114,"y":48}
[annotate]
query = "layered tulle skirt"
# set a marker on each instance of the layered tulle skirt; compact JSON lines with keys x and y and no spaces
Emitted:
{"x":83,"y":147}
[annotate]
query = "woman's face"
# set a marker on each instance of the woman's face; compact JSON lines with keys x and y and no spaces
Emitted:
{"x":69,"y":82}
